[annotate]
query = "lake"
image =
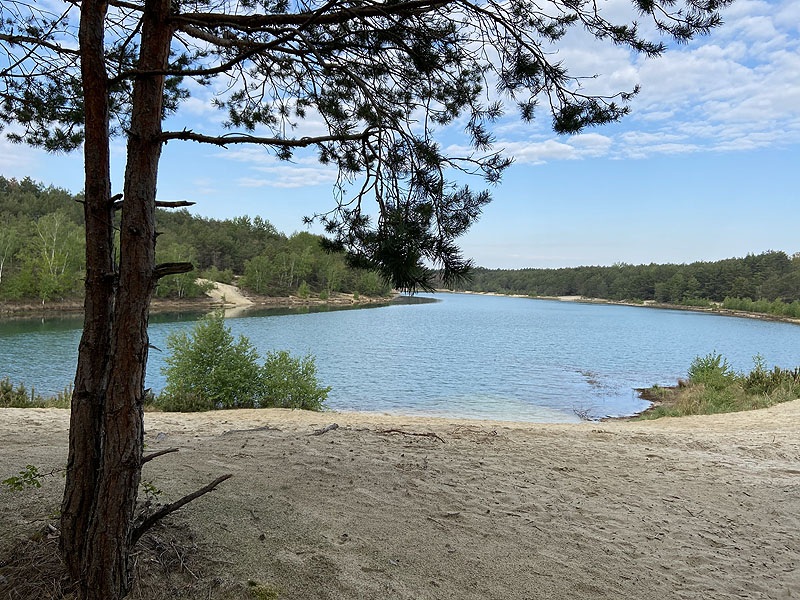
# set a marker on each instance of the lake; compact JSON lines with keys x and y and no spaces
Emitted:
{"x":456,"y":354}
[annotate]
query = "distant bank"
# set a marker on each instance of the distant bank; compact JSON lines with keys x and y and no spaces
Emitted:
{"x":215,"y":299}
{"x":715,"y":309}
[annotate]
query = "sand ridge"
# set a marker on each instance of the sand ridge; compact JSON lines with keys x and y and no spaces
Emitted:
{"x":696,"y":507}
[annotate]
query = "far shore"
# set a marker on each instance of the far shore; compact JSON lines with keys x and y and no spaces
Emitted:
{"x":74,"y":307}
{"x":714,"y":310}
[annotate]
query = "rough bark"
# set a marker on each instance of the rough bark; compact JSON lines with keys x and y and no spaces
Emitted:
{"x":91,"y":375}
{"x":109,"y":536}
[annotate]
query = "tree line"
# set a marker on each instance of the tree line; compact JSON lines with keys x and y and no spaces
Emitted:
{"x":772,"y":277}
{"x":42,"y":251}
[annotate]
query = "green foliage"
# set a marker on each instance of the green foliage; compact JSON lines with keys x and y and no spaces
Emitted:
{"x":207,"y":368}
{"x":711,"y":370}
{"x":372,"y":284}
{"x":355,"y":295}
{"x":182,"y":285}
{"x":28,"y":477}
{"x":770,"y":275}
{"x":323,"y":295}
{"x":269,"y":262}
{"x":290,"y":382}
{"x":763,"y":381}
{"x":151,"y":491}
{"x":714,"y":388}
{"x":214,"y":274}
{"x":303,"y":291}
{"x":20,"y":397}
{"x":776,"y":307}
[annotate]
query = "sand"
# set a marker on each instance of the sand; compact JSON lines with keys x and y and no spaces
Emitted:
{"x":696,"y":507}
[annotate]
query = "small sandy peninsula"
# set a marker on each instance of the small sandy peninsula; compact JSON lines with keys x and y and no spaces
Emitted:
{"x":696,"y":507}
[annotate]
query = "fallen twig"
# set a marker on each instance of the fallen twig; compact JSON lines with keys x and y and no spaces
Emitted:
{"x":401,"y":432}
{"x":170,"y":508}
{"x":330,"y":427}
{"x":148,"y":457}
{"x":264,"y":428}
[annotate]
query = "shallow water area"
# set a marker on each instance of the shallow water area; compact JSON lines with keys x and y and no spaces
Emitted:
{"x":455,"y":355}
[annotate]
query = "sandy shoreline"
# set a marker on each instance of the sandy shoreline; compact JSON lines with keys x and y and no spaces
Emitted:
{"x":696,"y":507}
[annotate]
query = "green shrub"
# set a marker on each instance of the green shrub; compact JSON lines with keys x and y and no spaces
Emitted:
{"x":323,"y":295}
{"x":290,"y":382}
{"x":762,"y":381}
{"x":711,"y":370}
{"x":20,"y":397}
{"x":303,"y":290}
{"x":207,"y":368}
{"x":714,"y":388}
{"x":355,"y":294}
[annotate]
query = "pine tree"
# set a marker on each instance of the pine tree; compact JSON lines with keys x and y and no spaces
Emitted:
{"x":381,"y":76}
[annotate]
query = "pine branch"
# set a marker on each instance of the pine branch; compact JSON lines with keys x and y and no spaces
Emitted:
{"x":171,"y":268}
{"x":171,"y":508}
{"x":342,"y":16}
{"x":224,"y":140}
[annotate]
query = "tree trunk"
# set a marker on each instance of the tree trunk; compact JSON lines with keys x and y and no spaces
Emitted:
{"x":107,"y":428}
{"x":91,"y":375}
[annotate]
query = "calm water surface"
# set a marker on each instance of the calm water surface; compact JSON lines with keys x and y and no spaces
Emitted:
{"x":464,"y":355}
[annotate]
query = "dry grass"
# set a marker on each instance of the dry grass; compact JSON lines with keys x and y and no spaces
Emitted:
{"x":167,"y":563}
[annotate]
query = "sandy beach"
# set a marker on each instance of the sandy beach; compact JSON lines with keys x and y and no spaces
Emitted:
{"x":696,"y":507}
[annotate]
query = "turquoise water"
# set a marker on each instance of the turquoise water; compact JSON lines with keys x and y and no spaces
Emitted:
{"x":463,"y":355}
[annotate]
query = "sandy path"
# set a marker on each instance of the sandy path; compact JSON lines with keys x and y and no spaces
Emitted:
{"x":698,"y":507}
{"x":229,"y":294}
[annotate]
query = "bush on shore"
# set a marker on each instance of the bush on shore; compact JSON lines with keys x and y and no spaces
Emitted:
{"x":713,"y":387}
{"x":20,"y":397}
{"x":209,"y":369}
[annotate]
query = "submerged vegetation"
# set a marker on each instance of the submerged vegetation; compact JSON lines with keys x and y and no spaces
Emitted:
{"x":713,"y":387}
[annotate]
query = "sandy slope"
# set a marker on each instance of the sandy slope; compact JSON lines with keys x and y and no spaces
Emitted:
{"x":698,"y":507}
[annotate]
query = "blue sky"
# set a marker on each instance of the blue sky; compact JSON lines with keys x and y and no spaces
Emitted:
{"x":707,"y":166}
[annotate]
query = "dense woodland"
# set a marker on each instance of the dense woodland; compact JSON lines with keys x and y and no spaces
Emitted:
{"x":767,"y":282}
{"x":42,"y":251}
{"x":41,"y":257}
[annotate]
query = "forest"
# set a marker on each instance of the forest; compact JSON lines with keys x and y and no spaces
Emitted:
{"x":42,"y":251}
{"x":768,"y":282}
{"x":41,"y":257}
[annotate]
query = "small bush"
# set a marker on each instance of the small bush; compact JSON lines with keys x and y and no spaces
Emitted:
{"x":355,"y":295}
{"x":207,"y":368}
{"x":20,"y":397}
{"x":303,"y":291}
{"x":323,"y":295}
{"x":290,"y":382}
{"x":711,"y":370}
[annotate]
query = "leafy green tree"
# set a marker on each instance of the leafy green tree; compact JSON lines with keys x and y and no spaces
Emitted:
{"x":259,"y":273}
{"x":9,"y":244}
{"x":52,"y":256}
{"x":381,"y":76}
{"x":208,"y":368}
